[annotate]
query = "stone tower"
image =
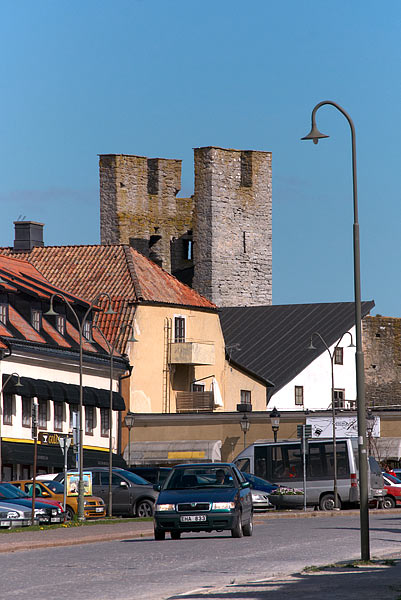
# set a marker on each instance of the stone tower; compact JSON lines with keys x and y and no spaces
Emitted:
{"x":232,"y":228}
{"x":228,"y":219}
{"x":139,"y":206}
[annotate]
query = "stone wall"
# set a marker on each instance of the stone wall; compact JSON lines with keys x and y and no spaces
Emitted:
{"x":382,"y":353}
{"x":233,"y":226}
{"x":229,"y":219}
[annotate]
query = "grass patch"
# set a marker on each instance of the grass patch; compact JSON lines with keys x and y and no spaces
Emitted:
{"x":355,"y":564}
{"x":75,"y":523}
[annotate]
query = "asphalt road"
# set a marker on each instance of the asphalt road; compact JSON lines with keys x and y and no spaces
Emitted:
{"x":148,"y":570}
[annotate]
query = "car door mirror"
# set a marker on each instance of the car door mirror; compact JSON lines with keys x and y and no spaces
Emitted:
{"x":123,"y":484}
{"x":245,"y":484}
{"x":157,"y":487}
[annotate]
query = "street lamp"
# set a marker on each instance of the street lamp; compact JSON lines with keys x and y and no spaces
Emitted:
{"x":129,"y":420}
{"x":80,"y":324}
{"x":275,"y":422}
{"x":244,"y":423}
{"x":18,"y":384}
{"x":333,"y":402}
{"x":111,"y":349}
{"x":315,"y":135}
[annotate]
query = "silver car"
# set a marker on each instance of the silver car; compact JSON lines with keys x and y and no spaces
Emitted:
{"x":12,"y":515}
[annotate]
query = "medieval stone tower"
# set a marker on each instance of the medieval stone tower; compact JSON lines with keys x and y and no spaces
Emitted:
{"x":219,"y":240}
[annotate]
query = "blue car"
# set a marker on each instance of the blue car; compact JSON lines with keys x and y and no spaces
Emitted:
{"x":257,"y":483}
{"x":203,"y":497}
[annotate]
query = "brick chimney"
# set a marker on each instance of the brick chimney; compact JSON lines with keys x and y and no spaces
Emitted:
{"x":28,"y":234}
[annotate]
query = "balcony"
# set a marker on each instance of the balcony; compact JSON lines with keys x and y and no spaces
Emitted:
{"x":192,"y":353}
{"x":194,"y":402}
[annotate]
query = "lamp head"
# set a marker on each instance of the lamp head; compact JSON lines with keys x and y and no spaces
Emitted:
{"x":244,"y":424}
{"x":110,"y":311}
{"x":50,"y":313}
{"x":129,"y":420}
{"x":275,"y":418}
{"x":351,"y":344}
{"x":314,"y":134}
{"x":311,"y":346}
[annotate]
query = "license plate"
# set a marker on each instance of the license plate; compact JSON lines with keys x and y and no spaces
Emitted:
{"x":55,"y":520}
{"x":5,"y":523}
{"x":192,"y":518}
{"x":99,"y":509}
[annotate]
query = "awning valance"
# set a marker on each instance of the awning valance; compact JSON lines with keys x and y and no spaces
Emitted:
{"x":174,"y":452}
{"x":61,"y":392}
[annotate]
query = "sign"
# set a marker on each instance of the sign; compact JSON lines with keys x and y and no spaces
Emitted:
{"x":73,"y":482}
{"x":300,"y":431}
{"x":35,"y":417}
{"x":64,"y":443}
{"x":346,"y":426}
{"x":52,"y":439}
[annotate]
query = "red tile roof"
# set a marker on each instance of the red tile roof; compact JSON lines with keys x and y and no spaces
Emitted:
{"x":126,"y":275}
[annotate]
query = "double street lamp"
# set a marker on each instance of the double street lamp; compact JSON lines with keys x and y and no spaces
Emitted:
{"x":81,"y":328}
{"x":332,"y":355}
{"x":315,"y":135}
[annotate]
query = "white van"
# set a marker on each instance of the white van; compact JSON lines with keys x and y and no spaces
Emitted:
{"x":281,"y":463}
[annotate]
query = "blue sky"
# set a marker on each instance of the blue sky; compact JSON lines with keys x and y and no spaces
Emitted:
{"x":158,"y":78}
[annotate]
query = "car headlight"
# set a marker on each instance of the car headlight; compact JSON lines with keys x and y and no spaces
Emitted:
{"x":40,"y":511}
{"x":259,"y":497}
{"x":86,"y":503}
{"x":162,"y":507}
{"x":223,"y":505}
{"x":12,"y":514}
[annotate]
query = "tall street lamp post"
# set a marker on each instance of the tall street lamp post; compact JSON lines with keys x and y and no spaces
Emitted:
{"x":111,"y":348}
{"x":333,"y":402}
{"x":80,"y":324}
{"x":275,"y":422}
{"x":129,"y":420}
{"x":315,"y":135}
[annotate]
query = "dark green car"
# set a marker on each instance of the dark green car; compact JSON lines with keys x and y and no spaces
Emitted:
{"x":204,"y":497}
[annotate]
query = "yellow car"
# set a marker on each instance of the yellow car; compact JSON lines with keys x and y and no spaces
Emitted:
{"x":94,"y":507}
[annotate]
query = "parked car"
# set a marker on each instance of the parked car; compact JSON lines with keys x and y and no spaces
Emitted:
{"x":132,"y":495}
{"x":152,"y":473}
{"x":12,"y":515}
{"x":392,"y":486}
{"x":94,"y":507}
{"x":45,"y":512}
{"x":203,"y":497}
{"x":260,"y":488}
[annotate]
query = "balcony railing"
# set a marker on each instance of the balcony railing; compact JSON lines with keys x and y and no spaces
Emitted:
{"x":192,"y":353}
{"x":190,"y":402}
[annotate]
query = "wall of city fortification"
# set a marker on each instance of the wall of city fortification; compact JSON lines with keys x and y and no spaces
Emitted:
{"x":232,"y":228}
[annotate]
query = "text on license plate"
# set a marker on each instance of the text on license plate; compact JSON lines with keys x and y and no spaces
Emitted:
{"x":99,"y":509}
{"x":192,"y":518}
{"x":55,"y":520}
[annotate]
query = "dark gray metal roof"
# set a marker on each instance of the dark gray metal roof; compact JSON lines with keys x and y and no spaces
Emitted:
{"x":272,"y":341}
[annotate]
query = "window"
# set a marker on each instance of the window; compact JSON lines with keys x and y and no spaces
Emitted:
{"x":245,"y":397}
{"x":26,"y":411}
{"x":187,"y":245}
{"x":89,"y":419}
{"x":3,"y":313}
{"x":36,"y":319}
{"x":299,"y":395}
{"x":198,"y":387}
{"x":87,"y":330}
{"x":7,"y":409}
{"x":104,"y":421}
{"x":339,"y":356}
{"x":179,"y":329}
{"x":339,"y":398}
{"x":73,"y":409}
{"x":60,"y":324}
{"x":42,"y":419}
{"x":58,"y":416}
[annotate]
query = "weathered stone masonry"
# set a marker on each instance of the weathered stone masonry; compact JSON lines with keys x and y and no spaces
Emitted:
{"x":229,"y":219}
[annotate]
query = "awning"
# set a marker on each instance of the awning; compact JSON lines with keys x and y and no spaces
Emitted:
{"x":175,"y":452}
{"x":62,"y":392}
{"x":51,"y":457}
{"x":387,"y":448}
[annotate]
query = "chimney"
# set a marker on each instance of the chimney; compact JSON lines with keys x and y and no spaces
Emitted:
{"x":28,"y":234}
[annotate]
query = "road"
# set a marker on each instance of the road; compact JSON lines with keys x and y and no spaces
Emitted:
{"x":148,"y":570}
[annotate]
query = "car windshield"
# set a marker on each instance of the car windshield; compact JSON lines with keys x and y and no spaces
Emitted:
{"x":200,"y":477}
{"x":392,"y":478}
{"x":133,"y":477}
{"x":7,"y":490}
{"x":54,"y":486}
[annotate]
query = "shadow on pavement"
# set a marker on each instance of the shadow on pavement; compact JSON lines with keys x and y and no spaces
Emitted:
{"x":378,"y":579}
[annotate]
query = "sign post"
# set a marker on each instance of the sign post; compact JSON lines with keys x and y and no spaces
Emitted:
{"x":35,"y":417}
{"x":304,"y":432}
{"x":64,"y":445}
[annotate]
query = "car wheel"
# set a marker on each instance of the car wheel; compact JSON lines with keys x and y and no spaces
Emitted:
{"x":159,"y":534}
{"x":175,"y":534}
{"x":236,"y":531}
{"x":69,"y":513}
{"x":144,"y":508}
{"x":327,"y":502}
{"x":388,"y":502}
{"x":247,"y":529}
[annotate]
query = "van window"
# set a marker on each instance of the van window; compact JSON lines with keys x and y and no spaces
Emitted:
{"x":320,"y":460}
{"x":243,"y":464}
